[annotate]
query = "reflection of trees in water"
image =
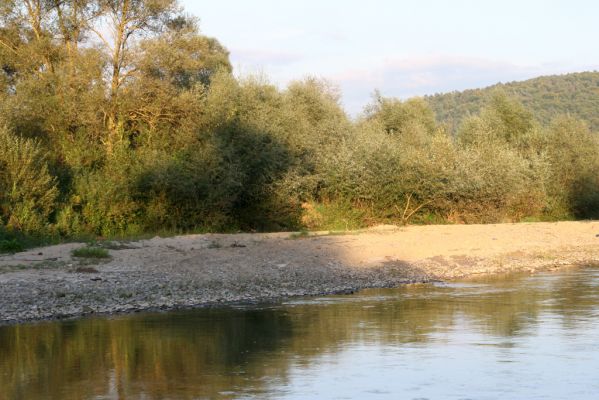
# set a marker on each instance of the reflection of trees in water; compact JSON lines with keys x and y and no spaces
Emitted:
{"x":576,"y":297}
{"x":204,"y":353}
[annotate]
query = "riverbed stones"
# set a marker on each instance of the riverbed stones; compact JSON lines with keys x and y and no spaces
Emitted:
{"x":189,"y":271}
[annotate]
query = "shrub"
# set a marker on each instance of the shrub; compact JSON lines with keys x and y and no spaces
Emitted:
{"x":493,"y":183}
{"x":10,"y":246}
{"x":573,"y":154}
{"x":28,"y":191}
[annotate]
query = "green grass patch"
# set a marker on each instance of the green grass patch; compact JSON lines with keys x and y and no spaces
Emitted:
{"x":333,"y":216}
{"x":11,"y":246}
{"x":90,"y":252}
{"x":299,"y":235}
{"x":343,"y":233}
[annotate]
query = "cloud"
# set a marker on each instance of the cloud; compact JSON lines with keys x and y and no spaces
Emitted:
{"x":264,"y":57}
{"x":418,"y":76}
{"x":334,"y":36}
{"x":427,"y":75}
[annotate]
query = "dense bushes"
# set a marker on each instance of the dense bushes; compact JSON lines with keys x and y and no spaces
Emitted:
{"x":173,"y":141}
{"x":573,"y":154}
{"x":409,"y":170}
{"x":27,"y":190}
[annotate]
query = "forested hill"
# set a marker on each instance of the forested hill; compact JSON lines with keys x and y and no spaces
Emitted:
{"x":576,"y":94}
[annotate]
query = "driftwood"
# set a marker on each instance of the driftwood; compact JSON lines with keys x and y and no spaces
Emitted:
{"x":407,"y":214}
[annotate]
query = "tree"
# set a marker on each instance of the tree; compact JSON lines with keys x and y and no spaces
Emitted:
{"x":412,"y":120}
{"x":73,"y":20}
{"x":182,"y":56}
{"x":128,"y":20}
{"x":573,"y":153}
{"x":503,"y":120}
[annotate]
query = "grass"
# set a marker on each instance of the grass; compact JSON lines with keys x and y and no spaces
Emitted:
{"x":344,"y":233}
{"x":11,"y":246}
{"x":300,"y":234}
{"x":35,"y":266}
{"x":90,"y":252}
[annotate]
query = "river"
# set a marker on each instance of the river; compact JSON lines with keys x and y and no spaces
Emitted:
{"x":509,"y":337}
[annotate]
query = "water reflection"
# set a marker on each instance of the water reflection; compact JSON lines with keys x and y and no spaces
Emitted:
{"x":445,"y":337}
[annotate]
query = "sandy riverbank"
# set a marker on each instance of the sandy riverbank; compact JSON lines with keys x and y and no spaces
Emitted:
{"x":194,"y":270}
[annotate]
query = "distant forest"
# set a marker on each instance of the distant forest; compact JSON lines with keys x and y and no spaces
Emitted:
{"x":120,"y":118}
{"x":575,"y":94}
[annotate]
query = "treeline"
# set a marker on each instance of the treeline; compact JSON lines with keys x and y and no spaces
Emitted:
{"x":146,"y":130}
{"x":576,"y":94}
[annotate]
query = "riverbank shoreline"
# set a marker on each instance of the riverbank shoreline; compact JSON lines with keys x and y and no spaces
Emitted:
{"x":216,"y":269}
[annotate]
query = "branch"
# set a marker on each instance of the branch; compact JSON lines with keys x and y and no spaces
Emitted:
{"x":418,"y":208}
{"x":127,"y":75}
{"x":405,"y":217}
{"x":8,"y":46}
{"x":94,"y":30}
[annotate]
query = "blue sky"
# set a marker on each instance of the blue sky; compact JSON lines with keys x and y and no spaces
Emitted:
{"x":403,"y":48}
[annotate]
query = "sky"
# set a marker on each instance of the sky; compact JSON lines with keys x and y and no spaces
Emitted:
{"x":403,"y":48}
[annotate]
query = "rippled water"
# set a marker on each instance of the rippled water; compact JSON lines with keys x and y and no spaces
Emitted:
{"x":518,"y":337}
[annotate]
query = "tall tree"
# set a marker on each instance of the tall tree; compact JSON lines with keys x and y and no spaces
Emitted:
{"x":172,"y":70}
{"x":128,"y":20}
{"x":73,"y":18}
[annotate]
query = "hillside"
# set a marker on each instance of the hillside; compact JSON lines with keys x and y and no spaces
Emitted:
{"x":576,"y":94}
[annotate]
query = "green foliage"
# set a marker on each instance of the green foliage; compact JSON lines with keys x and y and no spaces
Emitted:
{"x":299,"y":235}
{"x":503,"y":120}
{"x":412,"y":117}
{"x":573,"y":152}
{"x":338,"y":215}
{"x":546,"y":97}
{"x":159,"y":136}
{"x":181,"y":56}
{"x":10,"y":246}
{"x":90,"y":252}
{"x":27,"y":190}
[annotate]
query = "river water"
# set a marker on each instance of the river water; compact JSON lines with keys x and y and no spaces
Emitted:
{"x":513,"y":337}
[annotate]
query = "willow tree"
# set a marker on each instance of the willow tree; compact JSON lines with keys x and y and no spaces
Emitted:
{"x":172,"y":72}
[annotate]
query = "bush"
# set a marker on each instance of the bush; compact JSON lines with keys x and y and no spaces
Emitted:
{"x":573,"y":153}
{"x":10,"y":246}
{"x":27,"y":190}
{"x":493,"y":183}
{"x":377,"y":173}
{"x":11,"y":241}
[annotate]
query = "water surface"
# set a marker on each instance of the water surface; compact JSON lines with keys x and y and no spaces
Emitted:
{"x":517,"y":337}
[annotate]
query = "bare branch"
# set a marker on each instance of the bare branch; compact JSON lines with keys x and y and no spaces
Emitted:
{"x":101,"y":37}
{"x":405,"y":217}
{"x":8,"y":46}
